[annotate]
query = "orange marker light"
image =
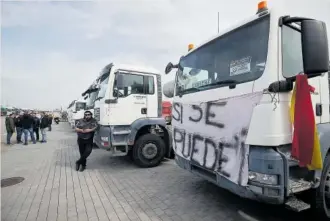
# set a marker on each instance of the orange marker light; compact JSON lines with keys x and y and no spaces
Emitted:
{"x":190,"y":47}
{"x":262,"y":5}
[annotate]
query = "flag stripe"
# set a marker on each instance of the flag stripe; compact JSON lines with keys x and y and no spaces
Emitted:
{"x":305,"y":143}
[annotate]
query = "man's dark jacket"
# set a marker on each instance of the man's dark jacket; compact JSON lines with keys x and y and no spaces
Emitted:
{"x":27,"y":121}
{"x":50,"y":120}
{"x":36,"y":123}
{"x":84,"y":124}
{"x":44,"y":122}
{"x":18,"y":121}
{"x":10,"y":125}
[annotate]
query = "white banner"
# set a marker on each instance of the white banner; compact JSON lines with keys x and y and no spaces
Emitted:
{"x":212,"y":134}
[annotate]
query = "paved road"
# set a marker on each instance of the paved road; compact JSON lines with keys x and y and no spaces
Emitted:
{"x":114,"y":189}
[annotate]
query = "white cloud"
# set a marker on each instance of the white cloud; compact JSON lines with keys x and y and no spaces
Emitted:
{"x":145,"y":32}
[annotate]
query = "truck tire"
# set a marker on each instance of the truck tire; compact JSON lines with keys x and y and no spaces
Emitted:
{"x":321,"y":204}
{"x":148,"y":150}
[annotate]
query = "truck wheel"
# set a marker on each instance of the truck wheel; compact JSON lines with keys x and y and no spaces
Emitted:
{"x":148,"y":150}
{"x":321,"y":202}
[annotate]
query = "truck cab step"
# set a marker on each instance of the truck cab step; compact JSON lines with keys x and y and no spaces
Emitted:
{"x":296,"y":186}
{"x":296,"y":204}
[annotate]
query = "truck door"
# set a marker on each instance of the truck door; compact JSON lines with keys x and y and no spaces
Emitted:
{"x":131,"y":102}
{"x":151,"y":89}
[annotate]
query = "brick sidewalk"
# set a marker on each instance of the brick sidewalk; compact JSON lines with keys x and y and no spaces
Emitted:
{"x":110,"y":189}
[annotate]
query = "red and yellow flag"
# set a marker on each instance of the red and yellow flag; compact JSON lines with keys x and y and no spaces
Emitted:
{"x":305,"y":144}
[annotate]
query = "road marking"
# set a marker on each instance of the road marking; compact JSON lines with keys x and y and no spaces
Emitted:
{"x":246,"y":216}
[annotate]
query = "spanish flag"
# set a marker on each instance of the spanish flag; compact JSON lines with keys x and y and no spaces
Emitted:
{"x":305,"y":144}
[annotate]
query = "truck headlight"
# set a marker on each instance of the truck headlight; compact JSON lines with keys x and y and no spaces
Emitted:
{"x":263,"y":178}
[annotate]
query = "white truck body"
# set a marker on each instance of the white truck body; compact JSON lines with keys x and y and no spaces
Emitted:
{"x":250,"y":56}
{"x":129,"y":99}
{"x":90,"y":96}
{"x":76,"y":111}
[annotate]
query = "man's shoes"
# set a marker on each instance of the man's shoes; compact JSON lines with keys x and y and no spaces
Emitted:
{"x":25,"y":144}
{"x":82,"y":168}
{"x":77,"y":166}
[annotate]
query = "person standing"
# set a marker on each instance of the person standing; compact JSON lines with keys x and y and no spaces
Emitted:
{"x":10,"y":127}
{"x":50,"y":121}
{"x":85,"y":130}
{"x":27,"y":125}
{"x":36,"y":125}
{"x":44,"y":123}
{"x":19,"y":129}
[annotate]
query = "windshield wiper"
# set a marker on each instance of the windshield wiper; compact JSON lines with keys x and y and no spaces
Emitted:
{"x":232,"y":83}
{"x":192,"y":89}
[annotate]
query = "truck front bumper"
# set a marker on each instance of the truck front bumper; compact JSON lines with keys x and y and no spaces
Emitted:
{"x":258,"y":162}
{"x":102,"y":138}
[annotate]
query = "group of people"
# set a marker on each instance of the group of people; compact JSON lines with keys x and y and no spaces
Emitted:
{"x":28,"y":123}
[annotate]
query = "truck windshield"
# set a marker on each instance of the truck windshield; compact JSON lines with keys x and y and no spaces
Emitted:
{"x":103,"y":85}
{"x":238,"y":56}
{"x":91,"y":99}
{"x":80,"y":106}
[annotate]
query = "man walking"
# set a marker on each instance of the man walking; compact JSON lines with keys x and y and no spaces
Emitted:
{"x":10,"y":127}
{"x":85,"y":130}
{"x":19,"y":129}
{"x":36,"y":125}
{"x":44,"y":123}
{"x":27,"y":125}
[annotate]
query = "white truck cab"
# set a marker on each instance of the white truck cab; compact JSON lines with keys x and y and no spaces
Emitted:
{"x":129,"y":112}
{"x":70,"y":112}
{"x":76,"y":111}
{"x":90,"y":96}
{"x":231,"y":102}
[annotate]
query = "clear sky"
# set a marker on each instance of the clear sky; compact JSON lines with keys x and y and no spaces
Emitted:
{"x":52,"y":51}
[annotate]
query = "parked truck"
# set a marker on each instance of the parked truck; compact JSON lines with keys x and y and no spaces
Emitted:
{"x":76,"y":111}
{"x":90,"y":96}
{"x":235,"y":110}
{"x":128,"y":109}
{"x":167,"y":111}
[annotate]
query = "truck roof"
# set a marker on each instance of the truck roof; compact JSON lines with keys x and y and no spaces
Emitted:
{"x":137,"y":68}
{"x":130,"y":67}
{"x":233,"y":27}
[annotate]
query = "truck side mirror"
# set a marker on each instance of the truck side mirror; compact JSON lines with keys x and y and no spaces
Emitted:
{"x":115,"y":93}
{"x":168,"y":89}
{"x":169,"y":68}
{"x":118,"y":84}
{"x":315,"y":49}
{"x":119,"y":81}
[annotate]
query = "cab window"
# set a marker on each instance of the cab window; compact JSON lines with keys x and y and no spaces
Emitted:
{"x":128,"y":83}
